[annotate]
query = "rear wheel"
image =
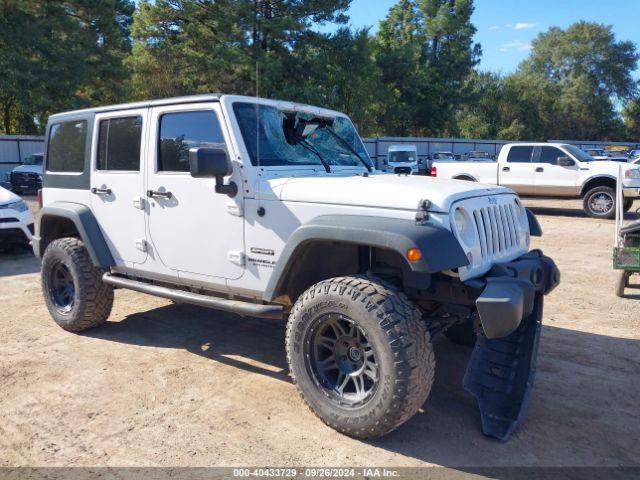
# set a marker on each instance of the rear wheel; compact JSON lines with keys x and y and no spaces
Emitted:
{"x":360,"y":355}
{"x":600,"y":202}
{"x":72,"y":287}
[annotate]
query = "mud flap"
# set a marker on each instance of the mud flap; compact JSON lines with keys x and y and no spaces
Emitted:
{"x":501,"y":372}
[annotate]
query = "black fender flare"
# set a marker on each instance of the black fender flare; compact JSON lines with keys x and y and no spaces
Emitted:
{"x":86,"y":225}
{"x":440,"y":249}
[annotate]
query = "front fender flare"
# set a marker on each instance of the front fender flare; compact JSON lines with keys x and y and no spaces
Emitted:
{"x":86,"y":225}
{"x":440,"y":249}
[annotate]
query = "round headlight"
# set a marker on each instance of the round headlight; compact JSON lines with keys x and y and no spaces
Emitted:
{"x":464,"y":227}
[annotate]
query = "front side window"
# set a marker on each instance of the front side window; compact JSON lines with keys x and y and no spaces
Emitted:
{"x":119,"y":144}
{"x":550,"y":155}
{"x":262,"y":128}
{"x":67,"y":142}
{"x":181,"y":131}
{"x":519,"y":154}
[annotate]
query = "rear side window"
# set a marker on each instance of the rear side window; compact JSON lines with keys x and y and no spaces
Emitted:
{"x":119,"y":144}
{"x":67,"y":142}
{"x":520,"y":154}
{"x":182,"y":131}
{"x":550,"y":155}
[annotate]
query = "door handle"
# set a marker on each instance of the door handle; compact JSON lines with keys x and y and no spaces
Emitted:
{"x":101,"y":191}
{"x":157,"y":194}
{"x":506,"y":169}
{"x":539,"y":169}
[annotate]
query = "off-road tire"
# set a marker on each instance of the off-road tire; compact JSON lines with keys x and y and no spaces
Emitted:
{"x":622,"y":281}
{"x":628,"y":203}
{"x":393,"y":326}
{"x":92,"y":299}
{"x":465,"y":333}
{"x":590,"y":211}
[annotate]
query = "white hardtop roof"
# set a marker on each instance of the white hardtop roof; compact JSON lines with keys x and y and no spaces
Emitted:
{"x":208,"y":97}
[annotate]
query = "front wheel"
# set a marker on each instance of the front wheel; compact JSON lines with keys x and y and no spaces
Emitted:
{"x":360,"y":355}
{"x":600,"y":202}
{"x":628,"y":203}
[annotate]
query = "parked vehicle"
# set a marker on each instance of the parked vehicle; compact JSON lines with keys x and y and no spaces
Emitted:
{"x":16,"y":221}
{"x":27,"y":178}
{"x":634,"y":154}
{"x":477,"y":156}
{"x":402,"y":158}
{"x":443,"y":156}
{"x":552,"y":170}
{"x":597,"y":153}
{"x":272,"y":209}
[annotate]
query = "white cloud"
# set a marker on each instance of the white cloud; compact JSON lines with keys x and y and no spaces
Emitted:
{"x":516,"y":45}
{"x":525,"y":25}
{"x":514,"y":26}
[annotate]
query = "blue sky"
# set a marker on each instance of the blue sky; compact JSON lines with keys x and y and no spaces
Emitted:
{"x":506,"y":27}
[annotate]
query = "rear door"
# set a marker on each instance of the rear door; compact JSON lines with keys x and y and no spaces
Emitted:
{"x":517,"y":172}
{"x":552,"y":179}
{"x":117,"y":183}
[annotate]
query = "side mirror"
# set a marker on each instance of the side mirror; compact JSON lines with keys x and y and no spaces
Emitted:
{"x":565,"y":162}
{"x":212,"y":163}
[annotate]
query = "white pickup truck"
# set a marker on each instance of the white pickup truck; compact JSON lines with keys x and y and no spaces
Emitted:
{"x":551,"y":170}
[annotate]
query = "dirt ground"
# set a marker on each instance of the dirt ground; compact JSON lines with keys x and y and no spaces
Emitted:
{"x":168,"y":385}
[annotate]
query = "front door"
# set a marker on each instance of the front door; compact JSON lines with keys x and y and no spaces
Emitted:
{"x":517,"y":172}
{"x":553,"y":179}
{"x":117,"y":183}
{"x":193,"y":229}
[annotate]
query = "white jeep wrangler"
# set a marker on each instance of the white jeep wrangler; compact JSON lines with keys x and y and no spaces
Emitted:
{"x":273,"y":209}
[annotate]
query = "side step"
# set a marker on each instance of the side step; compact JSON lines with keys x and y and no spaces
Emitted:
{"x":500,"y":375}
{"x":235,"y":306}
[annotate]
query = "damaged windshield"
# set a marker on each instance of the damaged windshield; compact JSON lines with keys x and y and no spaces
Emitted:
{"x":270,"y":143}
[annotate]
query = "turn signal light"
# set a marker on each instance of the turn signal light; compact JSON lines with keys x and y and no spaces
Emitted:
{"x":414,"y":255}
{"x":434,"y":171}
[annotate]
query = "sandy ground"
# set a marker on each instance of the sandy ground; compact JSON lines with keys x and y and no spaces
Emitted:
{"x":167,"y":385}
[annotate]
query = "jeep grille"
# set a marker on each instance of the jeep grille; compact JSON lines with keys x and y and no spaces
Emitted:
{"x":490,"y":230}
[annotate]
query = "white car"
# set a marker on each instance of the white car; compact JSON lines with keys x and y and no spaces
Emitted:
{"x":16,"y":220}
{"x":402,"y":158}
{"x":552,"y":170}
{"x":273,"y":209}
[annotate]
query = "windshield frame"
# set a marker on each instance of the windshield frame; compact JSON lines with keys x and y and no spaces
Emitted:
{"x":306,"y":110}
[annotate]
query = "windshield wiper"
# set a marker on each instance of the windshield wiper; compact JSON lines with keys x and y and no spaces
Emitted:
{"x":349,"y":147}
{"x":314,"y":150}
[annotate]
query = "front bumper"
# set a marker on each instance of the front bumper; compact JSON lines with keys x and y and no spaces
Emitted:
{"x":631,"y":192}
{"x":510,"y":291}
{"x":502,"y":367}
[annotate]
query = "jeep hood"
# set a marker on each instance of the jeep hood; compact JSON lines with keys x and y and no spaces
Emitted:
{"x":381,"y":190}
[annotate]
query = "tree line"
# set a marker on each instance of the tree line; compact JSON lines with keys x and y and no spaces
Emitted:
{"x":417,"y":75}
